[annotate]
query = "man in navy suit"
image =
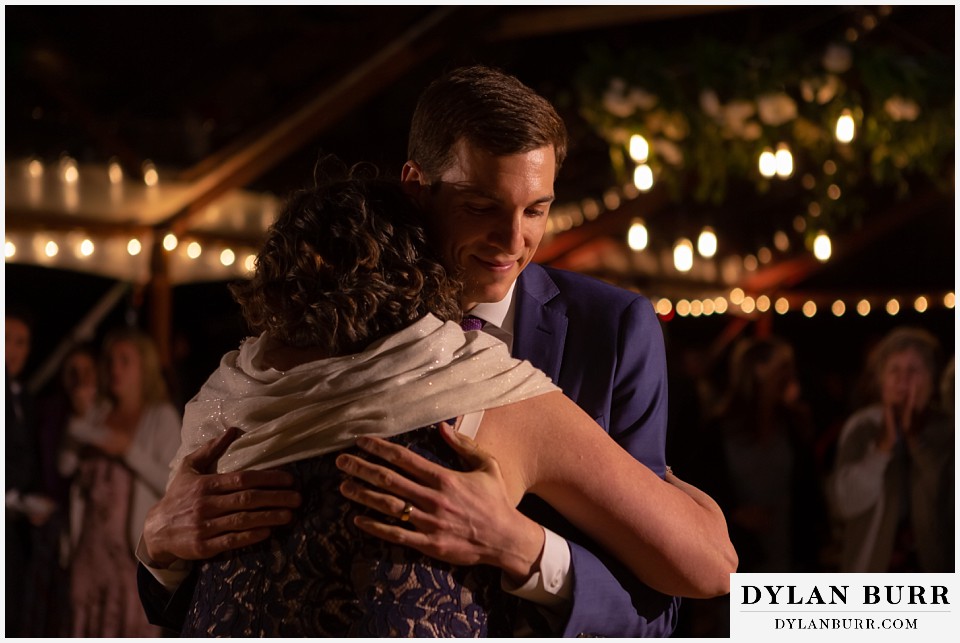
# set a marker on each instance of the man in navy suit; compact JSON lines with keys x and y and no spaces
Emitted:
{"x":484,"y":153}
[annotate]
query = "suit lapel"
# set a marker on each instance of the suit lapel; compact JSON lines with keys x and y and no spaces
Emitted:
{"x":540,"y":322}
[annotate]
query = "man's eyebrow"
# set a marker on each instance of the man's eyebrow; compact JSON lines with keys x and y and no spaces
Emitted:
{"x":473,"y":190}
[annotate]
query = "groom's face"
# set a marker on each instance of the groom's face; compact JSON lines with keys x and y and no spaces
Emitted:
{"x":489,"y":214}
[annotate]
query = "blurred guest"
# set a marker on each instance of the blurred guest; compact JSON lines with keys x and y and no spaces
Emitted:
{"x":77,"y":391}
{"x":23,"y":504}
{"x":118,"y":450}
{"x":758,"y":461}
{"x":893,"y":483}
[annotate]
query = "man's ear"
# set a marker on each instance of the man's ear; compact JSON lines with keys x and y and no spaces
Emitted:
{"x":411,"y":173}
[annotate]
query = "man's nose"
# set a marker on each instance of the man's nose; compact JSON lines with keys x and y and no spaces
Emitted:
{"x":507,"y":234}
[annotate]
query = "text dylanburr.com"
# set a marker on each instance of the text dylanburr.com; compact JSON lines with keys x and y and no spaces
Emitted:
{"x":847,"y":607}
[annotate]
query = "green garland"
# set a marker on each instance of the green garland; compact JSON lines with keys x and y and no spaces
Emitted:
{"x":709,"y":114}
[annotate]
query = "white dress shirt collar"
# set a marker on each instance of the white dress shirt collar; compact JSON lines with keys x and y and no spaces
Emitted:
{"x":499,"y":316}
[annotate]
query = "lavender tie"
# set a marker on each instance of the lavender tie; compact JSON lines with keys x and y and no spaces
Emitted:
{"x":472,"y":323}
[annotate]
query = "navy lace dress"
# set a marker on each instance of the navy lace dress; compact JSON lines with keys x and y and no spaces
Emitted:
{"x":321,"y":576}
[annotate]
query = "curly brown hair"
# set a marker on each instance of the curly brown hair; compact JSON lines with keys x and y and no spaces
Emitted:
{"x":346,"y":263}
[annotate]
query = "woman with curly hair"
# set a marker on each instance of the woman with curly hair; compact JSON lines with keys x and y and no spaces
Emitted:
{"x":359,"y":346}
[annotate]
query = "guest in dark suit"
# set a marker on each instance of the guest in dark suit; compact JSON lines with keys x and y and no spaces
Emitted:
{"x":484,"y":153}
{"x":24,"y":505}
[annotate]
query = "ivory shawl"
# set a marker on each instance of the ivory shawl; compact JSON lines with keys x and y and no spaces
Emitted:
{"x":428,"y":372}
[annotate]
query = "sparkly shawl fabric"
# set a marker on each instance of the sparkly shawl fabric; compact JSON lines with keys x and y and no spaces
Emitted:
{"x":428,"y":372}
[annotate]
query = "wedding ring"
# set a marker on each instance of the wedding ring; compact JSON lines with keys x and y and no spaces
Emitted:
{"x":407,"y":510}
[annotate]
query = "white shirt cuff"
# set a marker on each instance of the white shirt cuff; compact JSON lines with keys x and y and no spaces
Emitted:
{"x":170,"y":577}
{"x":550,"y":585}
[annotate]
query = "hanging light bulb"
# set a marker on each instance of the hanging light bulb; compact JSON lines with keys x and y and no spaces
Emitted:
{"x":134,"y":247}
{"x":637,"y":236}
{"x":86,"y":247}
{"x":643,"y":178}
{"x":170,"y":242}
{"x":768,"y":163}
{"x":639,"y":148}
{"x":809,"y":309}
{"x":194,"y":250}
{"x":822,"y":248}
{"x":114,"y":172}
{"x":227,"y":257}
{"x":683,"y":255}
{"x":707,"y":242}
{"x":784,"y":161}
{"x":863,"y":307}
{"x":150,"y":175}
{"x":846,"y":129}
{"x":920,"y":304}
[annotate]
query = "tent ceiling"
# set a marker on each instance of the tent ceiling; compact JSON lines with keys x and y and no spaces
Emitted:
{"x":234,"y":105}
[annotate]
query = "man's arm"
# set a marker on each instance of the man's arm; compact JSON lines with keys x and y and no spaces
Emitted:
{"x":203,"y":514}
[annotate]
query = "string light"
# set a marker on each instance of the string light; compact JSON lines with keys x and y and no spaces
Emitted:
{"x":664,"y":307}
{"x":763,"y":303}
{"x":696,"y":308}
{"x":227,"y":257}
{"x":69,"y":171}
{"x":748,"y":305}
{"x":784,"y":161}
{"x":768,"y":163}
{"x":893,"y":307}
{"x":51,"y":249}
{"x":809,"y":309}
{"x":639,"y":148}
{"x":736,"y":296}
{"x":643,"y":178}
{"x":838,"y":308}
{"x":683,"y":255}
{"x":822,"y":248}
{"x":781,"y":241}
{"x":250,"y":263}
{"x":845,"y":128}
{"x":707,"y":242}
{"x":920,"y":304}
{"x":35,"y":169}
{"x":86,"y":247}
{"x":134,"y":247}
{"x":721,"y":304}
{"x":194,"y":250}
{"x":170,"y":242}
{"x":115,"y":173}
{"x":863,"y":307}
{"x":150,"y":175}
{"x":10,"y":249}
{"x":949,"y":300}
{"x":637,"y":236}
{"x":709,"y":307}
{"x":782,"y":306}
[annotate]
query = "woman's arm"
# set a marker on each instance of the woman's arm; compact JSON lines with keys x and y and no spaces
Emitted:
{"x":671,"y":536}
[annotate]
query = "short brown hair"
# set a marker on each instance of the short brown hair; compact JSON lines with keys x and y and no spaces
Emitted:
{"x":489,"y":109}
{"x":346,"y":263}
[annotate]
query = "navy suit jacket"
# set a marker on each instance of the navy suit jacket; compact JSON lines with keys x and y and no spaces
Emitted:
{"x":604,"y":347}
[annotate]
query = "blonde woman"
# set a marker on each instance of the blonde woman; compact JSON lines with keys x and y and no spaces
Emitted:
{"x":117,"y":450}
